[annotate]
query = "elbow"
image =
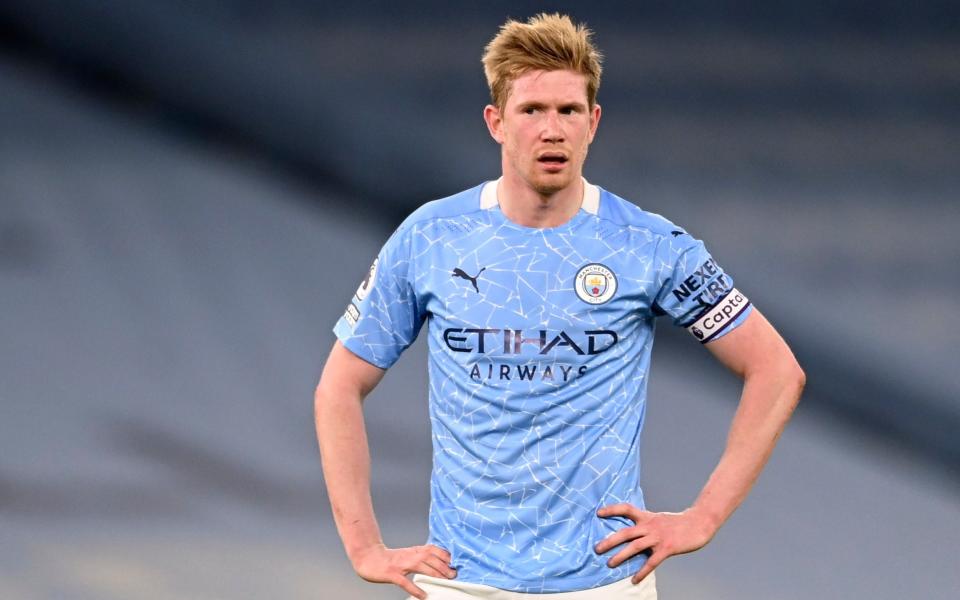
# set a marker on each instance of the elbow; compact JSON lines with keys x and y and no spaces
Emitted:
{"x":789,"y":372}
{"x":330,"y":400}
{"x":795,"y":379}
{"x":786,"y":376}
{"x":795,"y":374}
{"x":800,"y":377}
{"x":784,"y":370}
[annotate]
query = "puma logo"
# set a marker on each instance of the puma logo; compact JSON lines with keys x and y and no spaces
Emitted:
{"x":458,"y":272}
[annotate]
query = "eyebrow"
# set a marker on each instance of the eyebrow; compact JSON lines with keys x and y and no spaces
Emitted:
{"x":566,"y":105}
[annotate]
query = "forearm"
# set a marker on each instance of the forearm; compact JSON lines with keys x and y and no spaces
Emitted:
{"x":766,"y":403}
{"x":345,"y":456}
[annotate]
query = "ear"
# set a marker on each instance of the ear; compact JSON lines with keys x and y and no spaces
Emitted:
{"x":594,"y":120}
{"x":491,"y":114}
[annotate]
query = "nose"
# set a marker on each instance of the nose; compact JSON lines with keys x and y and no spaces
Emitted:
{"x":552,"y":127}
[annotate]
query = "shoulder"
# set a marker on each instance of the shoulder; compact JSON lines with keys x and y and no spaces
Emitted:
{"x":618,"y":211}
{"x":461,"y":204}
{"x":454,"y":213}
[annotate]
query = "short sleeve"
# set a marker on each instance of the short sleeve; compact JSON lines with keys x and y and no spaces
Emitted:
{"x":384,"y":317}
{"x":695,"y":291}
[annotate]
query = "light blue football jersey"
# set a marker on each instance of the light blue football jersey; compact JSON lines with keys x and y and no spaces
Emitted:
{"x":539,"y":355}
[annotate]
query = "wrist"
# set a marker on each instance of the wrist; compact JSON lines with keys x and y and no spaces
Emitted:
{"x":359,"y":552}
{"x":707,"y":521}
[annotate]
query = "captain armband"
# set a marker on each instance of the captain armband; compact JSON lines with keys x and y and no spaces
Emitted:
{"x":711,"y":323}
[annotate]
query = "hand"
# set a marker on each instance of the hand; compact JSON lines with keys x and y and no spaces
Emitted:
{"x":662,"y":535}
{"x":379,"y":564}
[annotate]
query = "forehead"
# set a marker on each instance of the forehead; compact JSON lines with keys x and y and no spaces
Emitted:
{"x":549,"y":86}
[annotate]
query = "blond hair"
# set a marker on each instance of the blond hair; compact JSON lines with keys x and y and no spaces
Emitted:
{"x":549,"y":42}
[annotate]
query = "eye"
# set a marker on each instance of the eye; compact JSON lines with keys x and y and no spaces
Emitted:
{"x":529,"y":110}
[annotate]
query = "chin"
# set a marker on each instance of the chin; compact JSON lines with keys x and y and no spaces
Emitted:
{"x":551,"y":184}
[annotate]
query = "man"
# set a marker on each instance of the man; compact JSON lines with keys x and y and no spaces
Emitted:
{"x":541,"y":290}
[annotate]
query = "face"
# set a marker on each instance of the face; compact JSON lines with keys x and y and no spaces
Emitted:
{"x":545,"y":129}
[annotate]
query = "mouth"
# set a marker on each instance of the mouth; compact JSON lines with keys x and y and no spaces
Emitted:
{"x":553,"y":160}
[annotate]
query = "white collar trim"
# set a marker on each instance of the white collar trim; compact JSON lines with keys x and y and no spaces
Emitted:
{"x":590,"y":202}
{"x":488,"y":196}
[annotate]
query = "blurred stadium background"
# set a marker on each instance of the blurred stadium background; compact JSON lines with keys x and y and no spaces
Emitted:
{"x":190,"y":192}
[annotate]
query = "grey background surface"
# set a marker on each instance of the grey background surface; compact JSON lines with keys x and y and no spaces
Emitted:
{"x":189,"y":193}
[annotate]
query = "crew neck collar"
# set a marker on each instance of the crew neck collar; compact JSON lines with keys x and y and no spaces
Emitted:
{"x":590,"y":203}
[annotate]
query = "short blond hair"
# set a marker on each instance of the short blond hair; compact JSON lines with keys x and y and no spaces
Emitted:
{"x":549,"y":42}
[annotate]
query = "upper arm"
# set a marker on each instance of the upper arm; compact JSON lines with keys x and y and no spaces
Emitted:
{"x":347,"y":375}
{"x":754,"y":347}
{"x":386,"y":313}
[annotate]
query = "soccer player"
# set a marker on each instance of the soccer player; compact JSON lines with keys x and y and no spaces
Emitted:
{"x":540,"y":291}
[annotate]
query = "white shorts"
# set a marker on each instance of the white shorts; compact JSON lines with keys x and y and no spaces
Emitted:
{"x":451,"y":589}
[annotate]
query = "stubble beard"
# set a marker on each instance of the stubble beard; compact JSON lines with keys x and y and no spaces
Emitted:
{"x":548,"y":184}
{"x":549,"y":188}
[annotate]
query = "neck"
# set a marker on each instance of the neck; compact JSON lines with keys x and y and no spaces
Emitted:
{"x":528,"y":207}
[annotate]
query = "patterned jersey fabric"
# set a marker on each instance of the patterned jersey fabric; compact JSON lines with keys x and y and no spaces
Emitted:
{"x":539,"y":354}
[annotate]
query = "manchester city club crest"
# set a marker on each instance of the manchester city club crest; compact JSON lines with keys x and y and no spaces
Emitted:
{"x":595,"y":283}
